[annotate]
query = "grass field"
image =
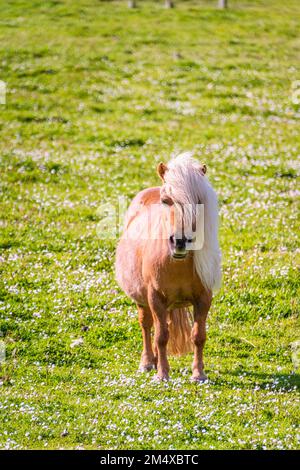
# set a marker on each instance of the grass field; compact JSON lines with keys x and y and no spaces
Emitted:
{"x":96,"y":95}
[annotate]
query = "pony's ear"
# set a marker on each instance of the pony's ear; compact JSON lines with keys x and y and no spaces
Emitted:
{"x":161,"y":170}
{"x":204,"y":169}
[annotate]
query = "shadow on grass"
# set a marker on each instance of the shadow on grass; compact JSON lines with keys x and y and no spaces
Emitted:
{"x":274,"y":381}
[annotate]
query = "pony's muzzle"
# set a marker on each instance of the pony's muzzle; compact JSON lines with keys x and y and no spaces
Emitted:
{"x":178,"y":247}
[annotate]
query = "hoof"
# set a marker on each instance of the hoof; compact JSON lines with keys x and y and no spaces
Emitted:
{"x":146,"y":368}
{"x":200,"y":379}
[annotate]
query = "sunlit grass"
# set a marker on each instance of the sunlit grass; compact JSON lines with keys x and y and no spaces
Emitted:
{"x":96,"y":95}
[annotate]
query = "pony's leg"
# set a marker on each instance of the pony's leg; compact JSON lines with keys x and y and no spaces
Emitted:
{"x":198,"y":338}
{"x":161,"y":336}
{"x":146,"y":323}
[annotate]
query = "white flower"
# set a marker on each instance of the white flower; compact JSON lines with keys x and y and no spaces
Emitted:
{"x":76,"y":342}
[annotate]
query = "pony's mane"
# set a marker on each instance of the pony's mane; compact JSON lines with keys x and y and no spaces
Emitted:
{"x":186,"y":183}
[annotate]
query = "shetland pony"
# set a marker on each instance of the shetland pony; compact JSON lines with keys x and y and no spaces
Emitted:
{"x":161,"y":268}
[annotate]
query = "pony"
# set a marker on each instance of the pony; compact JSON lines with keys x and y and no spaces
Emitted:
{"x":165,"y":270}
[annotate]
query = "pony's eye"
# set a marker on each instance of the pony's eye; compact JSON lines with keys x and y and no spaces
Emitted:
{"x":166,"y":201}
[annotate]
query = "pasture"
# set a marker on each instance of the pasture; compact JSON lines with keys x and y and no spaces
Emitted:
{"x":97,"y":94}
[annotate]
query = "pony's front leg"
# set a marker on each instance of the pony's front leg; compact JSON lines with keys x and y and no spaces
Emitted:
{"x":146,"y":323}
{"x":198,"y":338}
{"x":161,"y":336}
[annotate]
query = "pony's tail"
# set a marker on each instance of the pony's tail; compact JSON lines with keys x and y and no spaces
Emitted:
{"x":180,"y":329}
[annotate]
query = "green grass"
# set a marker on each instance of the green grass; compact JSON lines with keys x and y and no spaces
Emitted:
{"x":96,"y":95}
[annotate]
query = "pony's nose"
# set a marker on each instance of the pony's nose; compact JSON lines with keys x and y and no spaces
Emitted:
{"x":180,"y":243}
{"x":179,"y":250}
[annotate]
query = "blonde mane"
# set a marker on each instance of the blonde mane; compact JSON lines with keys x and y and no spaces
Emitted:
{"x":186,"y":183}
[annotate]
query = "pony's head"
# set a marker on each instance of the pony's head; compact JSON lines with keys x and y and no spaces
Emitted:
{"x":183,"y":191}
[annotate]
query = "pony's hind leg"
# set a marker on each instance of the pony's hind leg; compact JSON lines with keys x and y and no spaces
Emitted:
{"x":146,"y":322}
{"x":198,"y":338}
